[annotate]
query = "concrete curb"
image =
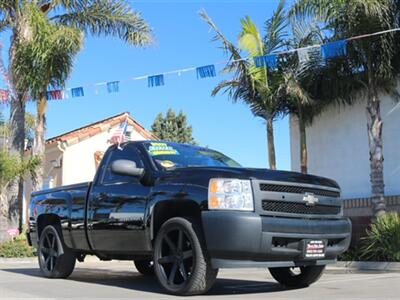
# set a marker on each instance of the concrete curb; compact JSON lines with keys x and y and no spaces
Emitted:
{"x":368,"y":265}
{"x":18,"y":260}
{"x":25,"y":260}
{"x":340,"y":265}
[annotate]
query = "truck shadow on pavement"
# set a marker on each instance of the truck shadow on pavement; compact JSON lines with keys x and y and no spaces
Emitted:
{"x":134,"y":281}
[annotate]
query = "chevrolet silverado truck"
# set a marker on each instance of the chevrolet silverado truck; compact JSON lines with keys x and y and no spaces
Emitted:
{"x":181,"y":212}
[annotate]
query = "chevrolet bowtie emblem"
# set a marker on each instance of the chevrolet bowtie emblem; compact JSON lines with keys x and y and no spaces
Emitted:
{"x":310,"y":199}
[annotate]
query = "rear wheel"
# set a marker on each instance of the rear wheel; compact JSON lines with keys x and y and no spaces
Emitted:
{"x":297,"y":277}
{"x":181,"y":263}
{"x":55,"y":259}
{"x":145,"y":267}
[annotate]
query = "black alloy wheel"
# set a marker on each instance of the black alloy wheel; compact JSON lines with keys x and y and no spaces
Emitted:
{"x":181,"y":265}
{"x":176,"y":257}
{"x":55,"y":259}
{"x":49,"y":251}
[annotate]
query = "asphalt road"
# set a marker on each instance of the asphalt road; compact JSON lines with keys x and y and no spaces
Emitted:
{"x":112,"y":280}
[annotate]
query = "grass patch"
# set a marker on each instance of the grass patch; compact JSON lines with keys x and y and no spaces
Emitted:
{"x":18,"y":247}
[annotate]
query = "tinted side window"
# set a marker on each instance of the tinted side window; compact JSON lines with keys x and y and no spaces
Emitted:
{"x":128,"y":153}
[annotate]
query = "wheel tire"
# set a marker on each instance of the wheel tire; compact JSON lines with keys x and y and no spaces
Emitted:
{"x":56,"y":260}
{"x":187,"y":255}
{"x":145,"y":267}
{"x":287,"y":277}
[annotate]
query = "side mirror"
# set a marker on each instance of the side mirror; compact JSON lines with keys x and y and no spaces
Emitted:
{"x":126,"y":168}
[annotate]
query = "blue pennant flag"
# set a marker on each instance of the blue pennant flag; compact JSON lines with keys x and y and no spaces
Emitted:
{"x":155,"y":80}
{"x":77,"y":92}
{"x":334,"y":49}
{"x":206,"y":71}
{"x":268,"y":61}
{"x":113,"y":87}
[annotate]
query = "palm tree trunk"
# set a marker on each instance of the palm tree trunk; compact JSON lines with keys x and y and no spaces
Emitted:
{"x":14,"y":191}
{"x":303,"y":141}
{"x":271,"y":144}
{"x":375,"y":124}
{"x":39,"y":143}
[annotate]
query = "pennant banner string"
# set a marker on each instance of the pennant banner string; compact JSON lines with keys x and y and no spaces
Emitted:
{"x":336,"y":48}
{"x":189,"y":69}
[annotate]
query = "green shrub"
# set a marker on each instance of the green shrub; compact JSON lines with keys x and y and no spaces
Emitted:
{"x":17,"y":247}
{"x":382,"y":242}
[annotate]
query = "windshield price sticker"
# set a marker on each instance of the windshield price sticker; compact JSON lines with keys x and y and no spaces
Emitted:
{"x":161,"y":149}
{"x":315,"y":249}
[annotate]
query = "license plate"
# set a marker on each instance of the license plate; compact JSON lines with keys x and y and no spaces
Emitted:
{"x":314,"y":249}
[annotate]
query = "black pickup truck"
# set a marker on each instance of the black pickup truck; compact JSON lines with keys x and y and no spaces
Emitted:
{"x":182,"y":212}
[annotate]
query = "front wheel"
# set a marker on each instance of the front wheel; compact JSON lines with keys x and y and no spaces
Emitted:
{"x":181,"y":264}
{"x":297,"y":277}
{"x":56,"y":260}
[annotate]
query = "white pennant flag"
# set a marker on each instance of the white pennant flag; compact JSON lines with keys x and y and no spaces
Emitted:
{"x":303,"y":55}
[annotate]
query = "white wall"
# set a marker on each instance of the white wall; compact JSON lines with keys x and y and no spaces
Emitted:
{"x":338,"y":147}
{"x":78,"y":159}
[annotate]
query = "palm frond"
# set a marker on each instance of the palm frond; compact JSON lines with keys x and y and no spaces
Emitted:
{"x":4,"y":24}
{"x":8,"y":5}
{"x":276,"y":29}
{"x":249,"y":84}
{"x":328,"y":11}
{"x":45,"y":58}
{"x":236,"y":63}
{"x":106,"y":17}
{"x":250,"y":39}
{"x":225,"y":86}
{"x":320,"y":10}
{"x":306,"y":32}
{"x":7,"y":13}
{"x":227,"y":46}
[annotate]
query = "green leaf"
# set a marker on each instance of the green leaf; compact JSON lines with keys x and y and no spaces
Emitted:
{"x":109,"y":18}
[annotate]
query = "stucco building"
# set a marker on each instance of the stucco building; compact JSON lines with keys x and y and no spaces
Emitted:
{"x":337,"y":143}
{"x":72,"y":157}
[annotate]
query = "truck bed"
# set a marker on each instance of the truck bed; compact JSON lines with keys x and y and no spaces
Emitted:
{"x":68,"y":204}
{"x":62,"y":188}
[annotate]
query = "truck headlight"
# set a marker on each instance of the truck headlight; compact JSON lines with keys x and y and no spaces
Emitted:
{"x":230,"y":194}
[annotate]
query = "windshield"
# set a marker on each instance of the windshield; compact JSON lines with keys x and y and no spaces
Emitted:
{"x":172,"y":155}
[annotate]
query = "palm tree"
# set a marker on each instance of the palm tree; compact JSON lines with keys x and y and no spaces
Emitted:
{"x":297,"y":77}
{"x":257,"y":87}
{"x":44,"y":60}
{"x":373,"y":65}
{"x":97,"y":17}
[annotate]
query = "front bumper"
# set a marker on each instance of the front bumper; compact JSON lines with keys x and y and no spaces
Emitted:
{"x":241,"y":239}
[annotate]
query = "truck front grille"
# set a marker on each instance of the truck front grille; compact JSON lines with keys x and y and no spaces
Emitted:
{"x":293,"y":189}
{"x":299,"y":208}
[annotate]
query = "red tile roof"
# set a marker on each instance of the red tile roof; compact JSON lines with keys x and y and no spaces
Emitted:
{"x":100,"y":126}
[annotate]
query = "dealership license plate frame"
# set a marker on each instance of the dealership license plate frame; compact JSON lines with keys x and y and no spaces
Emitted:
{"x":314,"y":249}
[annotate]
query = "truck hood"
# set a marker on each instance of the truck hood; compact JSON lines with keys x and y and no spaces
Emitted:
{"x":203,"y":174}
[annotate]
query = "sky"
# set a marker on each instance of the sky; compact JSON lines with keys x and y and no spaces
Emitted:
{"x":182,"y":40}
